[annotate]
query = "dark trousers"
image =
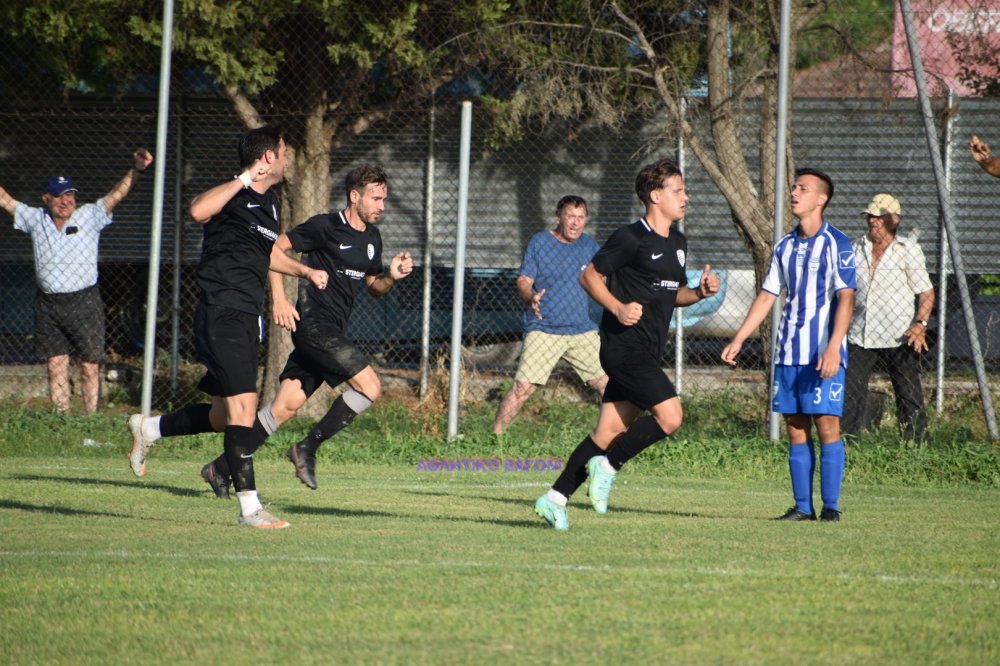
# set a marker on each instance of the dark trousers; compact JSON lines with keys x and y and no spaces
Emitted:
{"x":903,"y":366}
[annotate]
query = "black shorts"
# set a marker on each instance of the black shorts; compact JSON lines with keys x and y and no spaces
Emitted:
{"x":227,"y":341}
{"x":70,"y":323}
{"x":635,"y":377}
{"x":322,"y":357}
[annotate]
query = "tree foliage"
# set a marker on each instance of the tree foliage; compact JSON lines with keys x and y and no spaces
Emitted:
{"x":687,"y":65}
{"x":324,"y":70}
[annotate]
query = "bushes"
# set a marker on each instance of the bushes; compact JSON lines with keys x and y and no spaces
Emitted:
{"x":724,"y":436}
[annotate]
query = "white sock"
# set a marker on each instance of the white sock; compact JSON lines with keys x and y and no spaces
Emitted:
{"x":606,"y":466}
{"x":249,"y":502}
{"x":557,"y":497}
{"x":151,"y":428}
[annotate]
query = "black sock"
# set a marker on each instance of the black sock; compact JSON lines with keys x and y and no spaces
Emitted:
{"x":189,"y":420}
{"x":575,"y":472}
{"x":260,"y":436}
{"x":336,"y":419}
{"x":643,"y":433}
{"x":239,"y":444}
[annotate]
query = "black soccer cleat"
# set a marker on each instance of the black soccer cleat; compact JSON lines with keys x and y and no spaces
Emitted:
{"x":305,"y":466}
{"x":219,"y":483}
{"x":795,"y":515}
{"x":829,"y":515}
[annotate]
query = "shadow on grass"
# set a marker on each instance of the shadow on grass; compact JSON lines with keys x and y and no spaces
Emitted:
{"x":61,"y":510}
{"x":90,"y":481}
{"x":362,"y":513}
{"x":341,"y":513}
{"x":578,"y":505}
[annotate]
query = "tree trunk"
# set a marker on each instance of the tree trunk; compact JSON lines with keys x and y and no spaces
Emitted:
{"x":306,"y":193}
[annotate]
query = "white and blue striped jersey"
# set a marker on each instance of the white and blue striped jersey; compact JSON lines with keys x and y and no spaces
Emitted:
{"x":811,"y":271}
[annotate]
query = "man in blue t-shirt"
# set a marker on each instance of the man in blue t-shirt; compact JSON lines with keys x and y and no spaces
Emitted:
{"x":69,"y":313}
{"x":557,"y":321}
{"x":814,"y":265}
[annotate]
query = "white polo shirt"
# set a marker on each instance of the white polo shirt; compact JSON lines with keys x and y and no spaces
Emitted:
{"x":65,"y":261}
{"x":884,"y":305}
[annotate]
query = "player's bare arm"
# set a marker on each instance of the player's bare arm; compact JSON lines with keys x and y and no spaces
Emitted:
{"x":829,"y":360}
{"x":210,"y":202}
{"x":595,"y":284}
{"x":759,"y":310}
{"x":141,"y":158}
{"x":400,"y":267}
{"x":708,"y":285}
{"x":286,"y":265}
{"x":283,"y":313}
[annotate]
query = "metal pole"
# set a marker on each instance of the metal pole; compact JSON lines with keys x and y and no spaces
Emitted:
{"x":175,"y":296}
{"x":944,"y":198}
{"x":425,"y":322}
{"x":678,"y":312}
{"x":459,"y":286}
{"x":943,"y":268}
{"x":163,"y":115}
{"x":780,"y":170}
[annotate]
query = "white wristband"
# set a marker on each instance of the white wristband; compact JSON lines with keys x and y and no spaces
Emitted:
{"x":245,"y":179}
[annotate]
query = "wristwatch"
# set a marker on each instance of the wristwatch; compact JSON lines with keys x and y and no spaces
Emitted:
{"x":922,"y":322}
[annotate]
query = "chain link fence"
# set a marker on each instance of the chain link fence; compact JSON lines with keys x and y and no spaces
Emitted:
{"x":868,"y":142}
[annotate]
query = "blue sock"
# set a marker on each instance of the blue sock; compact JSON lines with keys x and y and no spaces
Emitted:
{"x":831,"y":472}
{"x":801,"y":463}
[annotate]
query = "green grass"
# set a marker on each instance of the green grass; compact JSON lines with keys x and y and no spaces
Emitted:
{"x":385,"y":564}
{"x":388,"y":564}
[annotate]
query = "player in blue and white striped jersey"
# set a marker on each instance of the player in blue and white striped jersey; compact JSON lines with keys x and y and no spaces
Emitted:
{"x":814,"y":265}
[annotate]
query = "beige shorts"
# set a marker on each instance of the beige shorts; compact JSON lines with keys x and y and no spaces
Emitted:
{"x":542,"y":351}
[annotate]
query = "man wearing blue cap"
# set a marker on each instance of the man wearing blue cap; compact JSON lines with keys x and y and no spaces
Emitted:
{"x":69,"y":314}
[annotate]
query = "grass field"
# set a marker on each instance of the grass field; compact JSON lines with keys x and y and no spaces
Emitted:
{"x":388,"y":564}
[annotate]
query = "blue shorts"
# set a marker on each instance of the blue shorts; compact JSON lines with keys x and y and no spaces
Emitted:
{"x":798,"y":389}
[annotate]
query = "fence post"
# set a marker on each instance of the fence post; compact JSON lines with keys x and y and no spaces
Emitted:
{"x":678,"y":313}
{"x":945,"y":199}
{"x":163,"y":114}
{"x":175,"y":296}
{"x":459,"y":282}
{"x":942,"y":297}
{"x":780,"y":164}
{"x":425,"y":323}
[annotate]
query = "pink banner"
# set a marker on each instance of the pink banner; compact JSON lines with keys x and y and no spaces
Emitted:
{"x":959,"y":46}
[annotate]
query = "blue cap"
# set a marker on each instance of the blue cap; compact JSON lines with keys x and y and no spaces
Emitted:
{"x":59,"y":185}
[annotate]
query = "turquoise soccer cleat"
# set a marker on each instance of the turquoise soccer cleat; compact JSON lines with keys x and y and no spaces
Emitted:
{"x":599,"y":485}
{"x":552,"y":512}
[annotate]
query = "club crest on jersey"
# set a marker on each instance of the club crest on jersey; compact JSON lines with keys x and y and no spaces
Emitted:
{"x":371,"y":250}
{"x":680,"y":257}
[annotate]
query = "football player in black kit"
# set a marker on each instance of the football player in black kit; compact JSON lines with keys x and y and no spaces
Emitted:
{"x":240,"y":219}
{"x":638,"y":277}
{"x":348,"y":247}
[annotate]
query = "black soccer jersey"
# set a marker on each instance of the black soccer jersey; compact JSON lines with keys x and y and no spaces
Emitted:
{"x":644,"y":267}
{"x":330,"y":243}
{"x":236,"y":251}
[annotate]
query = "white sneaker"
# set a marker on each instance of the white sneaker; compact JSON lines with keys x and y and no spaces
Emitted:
{"x":140,"y":445}
{"x":263,"y":519}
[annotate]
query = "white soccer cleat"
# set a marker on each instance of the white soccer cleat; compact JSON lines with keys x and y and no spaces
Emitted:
{"x":140,"y":445}
{"x":262,"y":519}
